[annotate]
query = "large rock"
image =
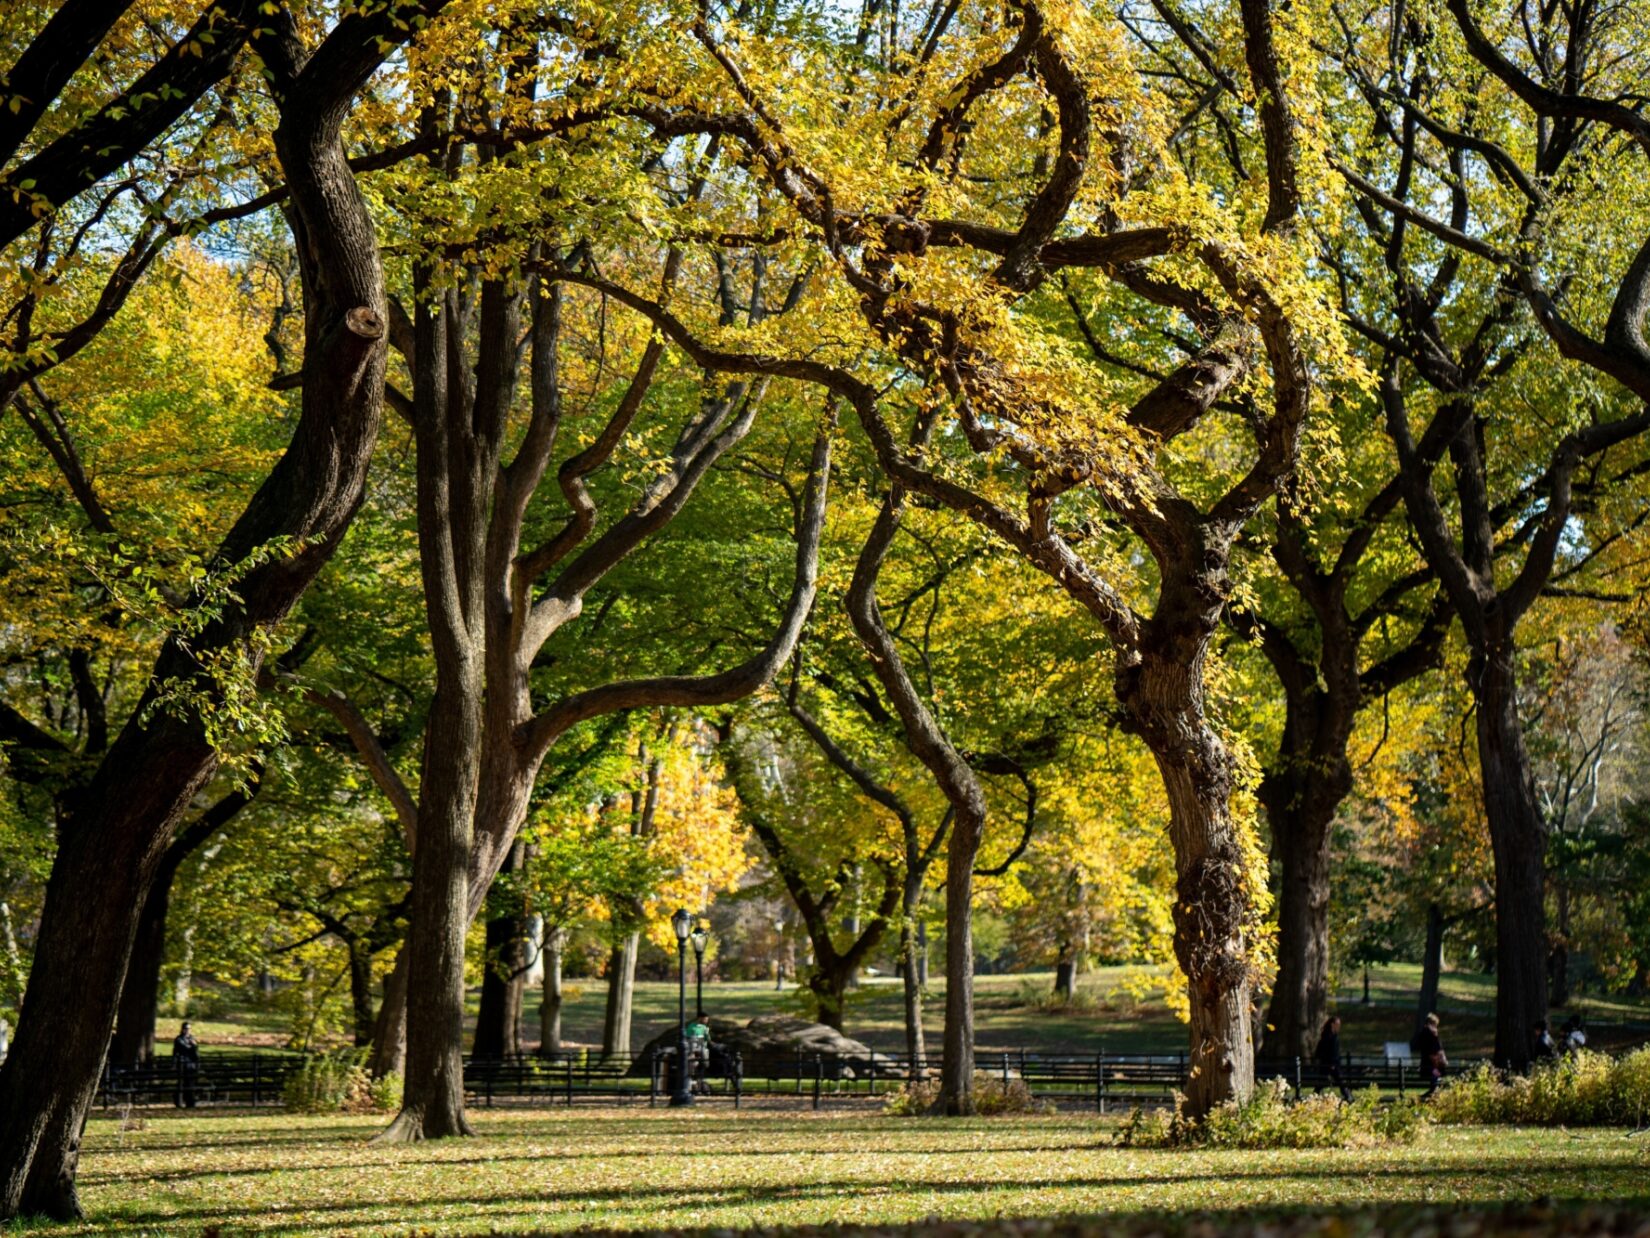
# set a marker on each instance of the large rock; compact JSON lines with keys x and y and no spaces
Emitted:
{"x":771,"y":1044}
{"x":774,"y":1040}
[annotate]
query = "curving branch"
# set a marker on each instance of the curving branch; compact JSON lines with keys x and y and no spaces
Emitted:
{"x":536,"y":736}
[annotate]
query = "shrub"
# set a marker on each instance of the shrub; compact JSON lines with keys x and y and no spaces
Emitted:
{"x":1583,"y":1089}
{"x":993,"y":1097}
{"x":1268,"y":1119}
{"x":339,"y":1083}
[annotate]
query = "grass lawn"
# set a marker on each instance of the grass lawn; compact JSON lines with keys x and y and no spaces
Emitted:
{"x":630,"y":1169}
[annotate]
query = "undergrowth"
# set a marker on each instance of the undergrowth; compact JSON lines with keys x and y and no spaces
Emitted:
{"x":1269,"y":1119}
{"x":1583,"y":1089}
{"x":993,"y":1096}
{"x":339,"y":1082}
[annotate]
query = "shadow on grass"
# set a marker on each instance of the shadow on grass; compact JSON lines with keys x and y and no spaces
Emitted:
{"x":333,"y":1214}
{"x":602,"y":1153}
{"x":1624,"y":1217}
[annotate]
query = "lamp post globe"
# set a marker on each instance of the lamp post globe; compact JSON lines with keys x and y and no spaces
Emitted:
{"x":682,"y":1094}
{"x":700,"y":938}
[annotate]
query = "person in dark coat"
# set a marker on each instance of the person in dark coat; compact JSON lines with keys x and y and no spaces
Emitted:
{"x":1328,"y":1056}
{"x":186,"y":1060}
{"x":1545,"y":1050}
{"x":1429,"y":1047}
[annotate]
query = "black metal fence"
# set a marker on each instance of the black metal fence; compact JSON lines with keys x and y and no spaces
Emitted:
{"x":1100,"y":1080}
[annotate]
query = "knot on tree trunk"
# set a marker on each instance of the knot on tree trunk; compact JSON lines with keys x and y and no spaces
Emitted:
{"x":365,"y":322}
{"x":1211,"y":905}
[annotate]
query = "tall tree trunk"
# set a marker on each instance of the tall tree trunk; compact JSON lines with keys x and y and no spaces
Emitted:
{"x":550,"y":1012}
{"x":1432,"y":966}
{"x":956,"y":779}
{"x":957,"y":1060}
{"x":99,"y":880}
{"x":1518,"y":835}
{"x":1163,"y":693}
{"x":432,"y":1105}
{"x":389,"y":1032}
{"x":503,"y":981}
{"x":113,"y":841}
{"x":1558,"y":959}
{"x":134,"y":1039}
{"x":360,"y":990}
{"x":621,"y":990}
{"x":916,"y":1047}
{"x":1300,"y":994}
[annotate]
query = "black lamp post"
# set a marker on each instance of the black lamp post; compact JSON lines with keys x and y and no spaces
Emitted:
{"x":700,"y":939}
{"x":682,"y":923}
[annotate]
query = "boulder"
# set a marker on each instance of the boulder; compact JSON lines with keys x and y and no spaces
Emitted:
{"x":771,"y":1044}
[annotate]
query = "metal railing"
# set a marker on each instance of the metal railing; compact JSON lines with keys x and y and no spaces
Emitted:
{"x":1099,"y":1080}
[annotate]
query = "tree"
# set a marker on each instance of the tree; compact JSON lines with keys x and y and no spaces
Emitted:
{"x":1359,"y":619}
{"x":495,"y":791}
{"x":953,"y":300}
{"x":815,"y":849}
{"x":1430,"y":117}
{"x":118,"y":832}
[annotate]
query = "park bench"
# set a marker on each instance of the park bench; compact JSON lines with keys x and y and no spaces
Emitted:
{"x":224,"y":1079}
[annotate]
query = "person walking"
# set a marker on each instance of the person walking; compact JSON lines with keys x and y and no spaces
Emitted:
{"x":186,"y":1060}
{"x":1429,"y":1047}
{"x":1328,"y":1056}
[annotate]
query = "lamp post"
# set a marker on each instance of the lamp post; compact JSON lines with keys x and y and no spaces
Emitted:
{"x":700,"y":938}
{"x":682,"y":923}
{"x":779,"y":954}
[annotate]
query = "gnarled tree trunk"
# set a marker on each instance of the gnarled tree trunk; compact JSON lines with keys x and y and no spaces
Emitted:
{"x":1163,"y":692}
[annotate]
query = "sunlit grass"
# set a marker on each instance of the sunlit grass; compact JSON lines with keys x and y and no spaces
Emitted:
{"x":636,"y":1169}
